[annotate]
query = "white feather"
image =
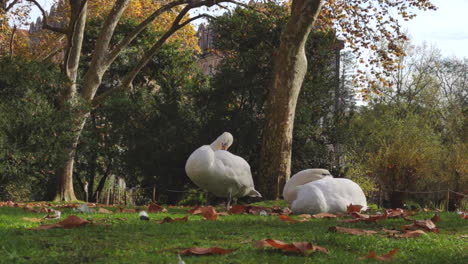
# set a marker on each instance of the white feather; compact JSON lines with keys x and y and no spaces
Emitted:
{"x":316,"y":191}
{"x":219,"y":171}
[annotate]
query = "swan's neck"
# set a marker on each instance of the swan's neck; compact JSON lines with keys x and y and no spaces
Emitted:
{"x":290,"y":189}
{"x":204,"y":160}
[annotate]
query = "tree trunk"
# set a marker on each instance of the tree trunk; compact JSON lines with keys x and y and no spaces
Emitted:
{"x":290,"y":66}
{"x":65,"y":191}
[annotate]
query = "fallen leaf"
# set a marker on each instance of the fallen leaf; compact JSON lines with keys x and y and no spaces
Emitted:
{"x":32,"y":219}
{"x":298,"y":247}
{"x":365,"y":218}
{"x":352,"y":231}
{"x":126,"y":210}
{"x":208,"y":212}
{"x":391,"y":232}
{"x":286,"y":218}
{"x":427,"y":225}
{"x":395,"y":213}
{"x":252,"y":209}
{"x":354,"y":208}
{"x":324,"y":215}
{"x":154,"y":208}
{"x":170,"y":220}
{"x":304,"y":217}
{"x":206,"y":251}
{"x":70,"y":222}
{"x":410,"y":234}
{"x":385,"y":257}
{"x":104,"y":211}
{"x":435,"y":218}
{"x":237,"y":209}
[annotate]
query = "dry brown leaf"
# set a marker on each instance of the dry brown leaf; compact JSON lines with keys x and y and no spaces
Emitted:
{"x":298,"y":247}
{"x":365,"y":218}
{"x":104,"y":211}
{"x":395,"y":213}
{"x":410,"y":234}
{"x":435,"y":218}
{"x":386,"y":257}
{"x":352,"y":231}
{"x":286,"y":218}
{"x":427,"y":225}
{"x":127,"y":210}
{"x":354,"y":208}
{"x":304,"y":217}
{"x":170,"y":220}
{"x":208,"y":212}
{"x":206,"y":251}
{"x":155,"y":208}
{"x":324,"y":215}
{"x":70,"y":222}
{"x":32,"y":219}
{"x":237,"y":209}
{"x":391,"y":232}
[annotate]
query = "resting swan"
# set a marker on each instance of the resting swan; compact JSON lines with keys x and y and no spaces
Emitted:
{"x":226,"y":175}
{"x":315,"y":191}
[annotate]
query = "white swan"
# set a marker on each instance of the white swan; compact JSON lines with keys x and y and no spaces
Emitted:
{"x":213,"y":168}
{"x":315,"y":191}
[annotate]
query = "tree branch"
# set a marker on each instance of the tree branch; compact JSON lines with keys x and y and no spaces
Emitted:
{"x":12,"y":38}
{"x":11,"y":5}
{"x":124,"y":43}
{"x":128,"y":79}
{"x":45,"y":25}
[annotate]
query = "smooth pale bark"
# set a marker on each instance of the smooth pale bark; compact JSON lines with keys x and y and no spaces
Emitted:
{"x":102,"y":57}
{"x":75,"y":33}
{"x":290,"y":66}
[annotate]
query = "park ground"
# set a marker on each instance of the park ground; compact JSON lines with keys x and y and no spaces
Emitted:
{"x":124,"y":238}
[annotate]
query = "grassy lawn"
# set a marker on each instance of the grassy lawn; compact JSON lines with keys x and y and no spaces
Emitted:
{"x":123,"y":238}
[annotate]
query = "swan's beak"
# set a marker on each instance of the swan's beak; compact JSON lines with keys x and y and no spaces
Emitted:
{"x":224,"y":146}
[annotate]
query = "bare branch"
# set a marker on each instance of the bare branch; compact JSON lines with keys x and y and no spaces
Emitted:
{"x":11,"y":5}
{"x":45,"y":25}
{"x":130,"y":37}
{"x":128,"y":79}
{"x":12,"y":38}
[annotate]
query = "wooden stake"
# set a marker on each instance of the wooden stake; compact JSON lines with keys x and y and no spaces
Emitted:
{"x":154,"y":193}
{"x":448,"y":200}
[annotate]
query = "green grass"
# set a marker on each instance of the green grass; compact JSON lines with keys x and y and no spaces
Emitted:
{"x":113,"y":240}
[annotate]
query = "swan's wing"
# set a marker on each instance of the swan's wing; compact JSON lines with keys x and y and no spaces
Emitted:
{"x":236,"y":168}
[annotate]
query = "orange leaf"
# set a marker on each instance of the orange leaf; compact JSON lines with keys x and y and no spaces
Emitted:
{"x":352,"y":231}
{"x":427,"y":224}
{"x":324,"y":215}
{"x":237,"y":209}
{"x":385,"y":257}
{"x":71,"y":222}
{"x":354,"y":208}
{"x":299,"y":247}
{"x":435,"y":218}
{"x":170,"y":220}
{"x":415,"y":233}
{"x":206,"y":251}
{"x":104,"y":211}
{"x":125,"y":210}
{"x":286,"y":218}
{"x":32,"y":219}
{"x":208,"y":212}
{"x":154,"y":208}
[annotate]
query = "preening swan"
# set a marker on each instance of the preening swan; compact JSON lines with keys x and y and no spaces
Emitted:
{"x":315,"y":191}
{"x":216,"y":170}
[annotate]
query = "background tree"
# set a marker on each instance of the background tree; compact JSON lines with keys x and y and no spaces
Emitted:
{"x":362,"y":23}
{"x":81,"y":97}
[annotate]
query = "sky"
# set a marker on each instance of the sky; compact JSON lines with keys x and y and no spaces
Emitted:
{"x":446,"y":28}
